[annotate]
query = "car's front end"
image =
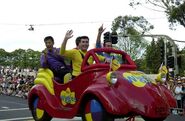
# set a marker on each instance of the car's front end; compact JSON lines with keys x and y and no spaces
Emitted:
{"x":132,"y":93}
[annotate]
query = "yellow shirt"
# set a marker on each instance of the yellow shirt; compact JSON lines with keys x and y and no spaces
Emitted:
{"x":76,"y":57}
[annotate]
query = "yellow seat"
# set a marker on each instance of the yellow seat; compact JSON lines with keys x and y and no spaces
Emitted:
{"x":67,"y":78}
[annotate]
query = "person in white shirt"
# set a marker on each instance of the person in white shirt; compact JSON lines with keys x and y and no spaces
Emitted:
{"x":178,"y":94}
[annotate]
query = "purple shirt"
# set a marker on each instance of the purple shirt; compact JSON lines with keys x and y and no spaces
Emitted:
{"x":52,"y":59}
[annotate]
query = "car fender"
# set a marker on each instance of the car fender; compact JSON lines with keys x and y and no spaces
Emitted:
{"x":49,"y":101}
{"x":169,"y":95}
{"x":36,"y":91}
{"x":108,"y":98}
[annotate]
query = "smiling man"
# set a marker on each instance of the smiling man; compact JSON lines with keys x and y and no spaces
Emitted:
{"x":76,"y":55}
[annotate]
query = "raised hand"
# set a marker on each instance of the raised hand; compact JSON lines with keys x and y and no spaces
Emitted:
{"x":68,"y":34}
{"x":101,"y":29}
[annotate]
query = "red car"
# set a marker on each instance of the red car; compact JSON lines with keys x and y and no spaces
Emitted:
{"x":101,"y":94}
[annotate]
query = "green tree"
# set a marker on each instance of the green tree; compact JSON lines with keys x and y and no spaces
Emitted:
{"x":181,"y":55}
{"x":174,"y":9}
{"x":130,"y":29}
{"x":141,"y":64}
{"x":33,"y":58}
{"x":4,"y":57}
{"x":153,"y":57}
{"x":20,"y":58}
{"x":176,"y":15}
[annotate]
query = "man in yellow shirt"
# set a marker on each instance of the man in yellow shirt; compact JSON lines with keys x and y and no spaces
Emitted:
{"x":76,"y":55}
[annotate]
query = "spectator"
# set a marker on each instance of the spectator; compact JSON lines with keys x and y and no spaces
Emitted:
{"x":183,"y":96}
{"x":178,"y":94}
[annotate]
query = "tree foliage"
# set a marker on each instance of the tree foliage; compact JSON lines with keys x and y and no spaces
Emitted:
{"x":141,"y":64}
{"x":174,"y":9}
{"x":20,"y":58}
{"x":153,"y":58}
{"x":177,"y":15}
{"x":181,"y":62}
{"x":130,"y":29}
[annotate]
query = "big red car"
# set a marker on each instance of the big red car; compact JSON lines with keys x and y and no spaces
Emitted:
{"x":99,"y":93}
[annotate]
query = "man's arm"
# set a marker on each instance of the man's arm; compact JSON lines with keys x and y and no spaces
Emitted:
{"x":98,"y":40}
{"x":67,"y":36}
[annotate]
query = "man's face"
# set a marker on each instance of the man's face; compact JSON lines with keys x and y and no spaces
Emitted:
{"x":84,"y":44}
{"x":49,"y":44}
{"x":108,"y":44}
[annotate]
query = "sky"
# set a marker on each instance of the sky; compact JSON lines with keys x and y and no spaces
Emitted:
{"x":55,"y":17}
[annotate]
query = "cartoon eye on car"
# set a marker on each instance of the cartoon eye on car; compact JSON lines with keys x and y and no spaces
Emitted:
{"x":102,"y":92}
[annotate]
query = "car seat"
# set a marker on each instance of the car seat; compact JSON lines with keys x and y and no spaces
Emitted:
{"x":67,"y":78}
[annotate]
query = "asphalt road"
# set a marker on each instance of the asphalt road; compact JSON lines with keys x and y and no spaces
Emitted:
{"x":13,"y":108}
{"x":16,"y":109}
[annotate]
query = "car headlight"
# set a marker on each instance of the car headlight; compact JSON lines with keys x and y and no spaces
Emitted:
{"x":111,"y":78}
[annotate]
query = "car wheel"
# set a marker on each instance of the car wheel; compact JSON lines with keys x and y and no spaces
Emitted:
{"x":94,"y":111}
{"x":38,"y":113}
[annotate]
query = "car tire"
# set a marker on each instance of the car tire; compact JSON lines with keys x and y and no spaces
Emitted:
{"x":94,"y":111}
{"x":38,"y":113}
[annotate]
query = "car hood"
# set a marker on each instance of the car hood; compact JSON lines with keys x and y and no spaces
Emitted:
{"x":143,"y":95}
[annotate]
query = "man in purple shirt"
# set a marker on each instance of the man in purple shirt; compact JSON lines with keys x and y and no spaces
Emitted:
{"x":50,"y":58}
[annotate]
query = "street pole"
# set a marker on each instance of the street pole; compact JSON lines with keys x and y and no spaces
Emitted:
{"x":174,"y":50}
{"x":165,"y":53}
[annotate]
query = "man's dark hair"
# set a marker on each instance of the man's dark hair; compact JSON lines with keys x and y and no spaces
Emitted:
{"x":84,"y":37}
{"x":78,"y":39}
{"x":48,"y":38}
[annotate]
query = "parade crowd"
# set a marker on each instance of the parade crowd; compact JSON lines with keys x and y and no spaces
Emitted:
{"x":177,"y":86}
{"x":15,"y":81}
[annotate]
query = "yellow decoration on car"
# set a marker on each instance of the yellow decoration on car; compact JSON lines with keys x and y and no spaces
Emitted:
{"x":162,"y":73}
{"x":108,"y":75}
{"x":115,"y":64}
{"x":136,"y":78}
{"x":39,"y":113}
{"x":88,"y":117}
{"x":67,"y":97}
{"x":67,"y":78}
{"x":45,"y":77}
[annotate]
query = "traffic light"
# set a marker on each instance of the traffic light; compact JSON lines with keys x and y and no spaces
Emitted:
{"x":111,"y":37}
{"x":170,"y":61}
{"x":179,"y":61}
{"x":162,"y":52}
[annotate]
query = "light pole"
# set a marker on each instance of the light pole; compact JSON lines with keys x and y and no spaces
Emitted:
{"x":174,"y":49}
{"x":165,"y":53}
